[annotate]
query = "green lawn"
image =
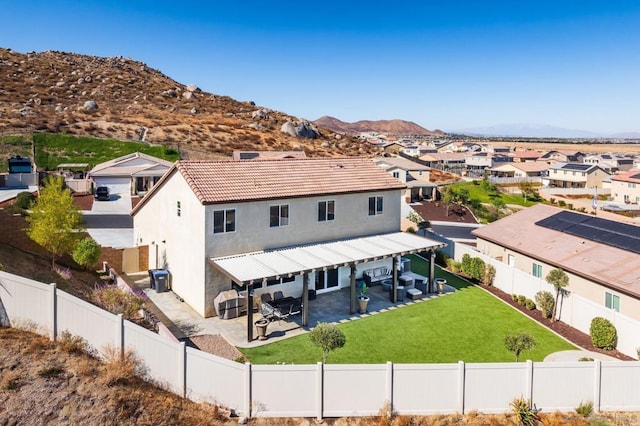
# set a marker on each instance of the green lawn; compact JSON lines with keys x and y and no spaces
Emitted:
{"x":468,"y":325}
{"x":476,"y":191}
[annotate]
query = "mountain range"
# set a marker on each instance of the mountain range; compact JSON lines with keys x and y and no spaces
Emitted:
{"x":541,"y":131}
{"x":389,"y":127}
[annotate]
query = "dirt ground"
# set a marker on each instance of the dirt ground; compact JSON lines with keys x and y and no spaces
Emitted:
{"x":437,"y":211}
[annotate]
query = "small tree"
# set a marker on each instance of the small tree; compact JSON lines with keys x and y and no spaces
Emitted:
{"x":54,"y":219}
{"x":516,"y":343}
{"x":87,"y":252}
{"x":526,"y":187}
{"x":327,"y":337}
{"x":545,"y":302}
{"x":448,"y":196}
{"x":559,"y":280}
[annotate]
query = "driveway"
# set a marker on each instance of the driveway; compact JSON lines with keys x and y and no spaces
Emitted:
{"x":119,"y":203}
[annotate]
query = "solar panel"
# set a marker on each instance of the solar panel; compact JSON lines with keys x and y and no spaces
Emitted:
{"x":636,"y":176}
{"x":577,"y":166}
{"x":603,"y":231}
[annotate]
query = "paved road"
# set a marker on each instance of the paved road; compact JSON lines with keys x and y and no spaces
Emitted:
{"x":454,"y":232}
{"x":107,"y":221}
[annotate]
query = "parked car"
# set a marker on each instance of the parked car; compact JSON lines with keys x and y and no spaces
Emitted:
{"x":102,"y":194}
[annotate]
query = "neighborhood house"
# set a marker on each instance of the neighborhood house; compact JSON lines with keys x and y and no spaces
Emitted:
{"x":288,"y":225}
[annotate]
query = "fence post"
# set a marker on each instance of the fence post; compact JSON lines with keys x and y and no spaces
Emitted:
{"x":461,"y":385}
{"x":390,"y":386}
{"x":53,"y":312}
{"x":597,"y":365}
{"x":120,"y":335}
{"x":182,"y":369}
{"x":529,"y":381}
{"x":247,"y":390}
{"x":319,"y":390}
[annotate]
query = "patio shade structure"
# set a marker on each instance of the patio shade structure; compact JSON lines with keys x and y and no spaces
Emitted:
{"x":248,"y":268}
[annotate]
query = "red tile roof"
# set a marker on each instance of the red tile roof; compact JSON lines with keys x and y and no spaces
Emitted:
{"x":236,"y":181}
{"x":632,"y":176}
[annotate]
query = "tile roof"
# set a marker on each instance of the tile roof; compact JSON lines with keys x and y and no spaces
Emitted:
{"x":115,"y":166}
{"x":631,"y":176}
{"x":216,"y":182}
{"x":606,"y":265}
{"x":400,"y":162}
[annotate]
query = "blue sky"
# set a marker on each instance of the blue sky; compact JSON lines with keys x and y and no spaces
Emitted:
{"x":446,"y":65}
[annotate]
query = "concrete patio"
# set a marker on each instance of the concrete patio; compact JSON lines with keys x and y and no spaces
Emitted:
{"x":331,"y":307}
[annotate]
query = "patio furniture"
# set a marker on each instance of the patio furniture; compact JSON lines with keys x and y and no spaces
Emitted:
{"x":400,"y":293}
{"x":265,"y":297}
{"x":387,"y":284}
{"x":278,"y":295}
{"x":281,"y":309}
{"x":413,"y":293}
{"x":421,"y":284}
{"x":376,"y":275}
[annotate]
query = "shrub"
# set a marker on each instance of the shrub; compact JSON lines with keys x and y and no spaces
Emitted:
{"x":73,"y":344}
{"x":586,"y":359}
{"x":530,"y":304}
{"x":24,"y":199}
{"x":545,"y":301}
{"x":603,"y":333}
{"x":411,"y":230}
{"x":9,"y":381}
{"x":489,"y":275}
{"x":522,"y":299}
{"x":562,"y":203}
{"x":525,"y":414}
{"x":117,"y":301}
{"x":453,"y":266}
{"x":121,"y":368}
{"x":87,"y":252}
{"x":516,"y":343}
{"x":585,"y":409}
{"x":514,"y":297}
{"x":552,"y":200}
{"x":442,"y":259}
{"x":50,"y":372}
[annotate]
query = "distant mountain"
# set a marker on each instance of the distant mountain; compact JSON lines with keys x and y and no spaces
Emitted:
{"x":625,"y":135}
{"x":529,"y":130}
{"x":389,"y":127}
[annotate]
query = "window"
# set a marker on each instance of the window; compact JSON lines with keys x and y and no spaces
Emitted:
{"x":537,"y":270}
{"x":279,"y":215}
{"x":375,"y":206}
{"x":326,"y":210}
{"x":224,"y":221}
{"x":178,"y":209}
{"x":396,"y":175}
{"x":612,"y":301}
{"x":282,"y":280}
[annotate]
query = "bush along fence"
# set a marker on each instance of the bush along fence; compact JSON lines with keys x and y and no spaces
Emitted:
{"x":577,"y":311}
{"x":323,"y":390}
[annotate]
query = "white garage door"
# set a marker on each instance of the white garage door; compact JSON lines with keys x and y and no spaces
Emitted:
{"x":116,"y":185}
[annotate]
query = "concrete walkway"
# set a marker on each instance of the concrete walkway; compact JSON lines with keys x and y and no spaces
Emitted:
{"x":576,"y":355}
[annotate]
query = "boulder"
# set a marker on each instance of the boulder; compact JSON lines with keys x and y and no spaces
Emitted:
{"x":260,"y":114}
{"x":188,"y":95}
{"x":193,"y":88}
{"x":90,"y":106}
{"x":302,"y":129}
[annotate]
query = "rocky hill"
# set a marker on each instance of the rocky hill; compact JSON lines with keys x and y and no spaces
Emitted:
{"x":388,"y":127}
{"x":126,"y":99}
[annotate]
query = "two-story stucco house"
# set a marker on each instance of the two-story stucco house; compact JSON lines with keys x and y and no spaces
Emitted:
{"x":289,"y":225}
{"x":575,"y":175}
{"x":625,"y":187}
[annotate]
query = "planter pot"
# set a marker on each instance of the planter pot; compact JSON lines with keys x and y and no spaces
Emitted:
{"x":261,"y":326}
{"x":363,"y":301}
{"x":440,"y":282}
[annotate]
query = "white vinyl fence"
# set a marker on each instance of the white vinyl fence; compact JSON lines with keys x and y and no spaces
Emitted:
{"x":319,"y":390}
{"x":577,"y":311}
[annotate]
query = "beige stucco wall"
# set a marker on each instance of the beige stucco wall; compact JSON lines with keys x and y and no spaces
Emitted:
{"x":182,"y":251}
{"x":595,"y":292}
{"x":620,"y":189}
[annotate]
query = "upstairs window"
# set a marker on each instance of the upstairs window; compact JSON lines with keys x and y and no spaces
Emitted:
{"x":178,"y":209}
{"x":537,"y":270}
{"x":279,"y":215}
{"x":612,"y":301}
{"x":375,"y":206}
{"x":326,"y":211}
{"x":224,"y":221}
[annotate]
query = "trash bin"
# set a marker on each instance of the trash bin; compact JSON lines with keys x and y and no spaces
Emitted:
{"x":159,"y":280}
{"x":312,"y":294}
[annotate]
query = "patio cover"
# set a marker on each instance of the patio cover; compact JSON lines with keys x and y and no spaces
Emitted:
{"x":257,"y":266}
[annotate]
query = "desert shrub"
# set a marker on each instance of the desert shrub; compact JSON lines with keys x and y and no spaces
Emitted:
{"x":603,"y":333}
{"x":24,"y":199}
{"x":585,"y":409}
{"x":524,"y":412}
{"x":121,"y":368}
{"x":73,"y":344}
{"x":9,"y":381}
{"x":545,"y":301}
{"x":522,"y":299}
{"x":116,"y":301}
{"x":50,"y":372}
{"x":570,"y":206}
{"x":530,"y":304}
{"x":552,"y":200}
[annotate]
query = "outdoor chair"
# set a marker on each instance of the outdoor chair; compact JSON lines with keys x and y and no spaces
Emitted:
{"x":265,"y":297}
{"x":267,"y":311}
{"x":278,"y":295}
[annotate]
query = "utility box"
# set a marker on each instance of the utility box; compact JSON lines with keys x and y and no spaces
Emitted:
{"x":159,"y":280}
